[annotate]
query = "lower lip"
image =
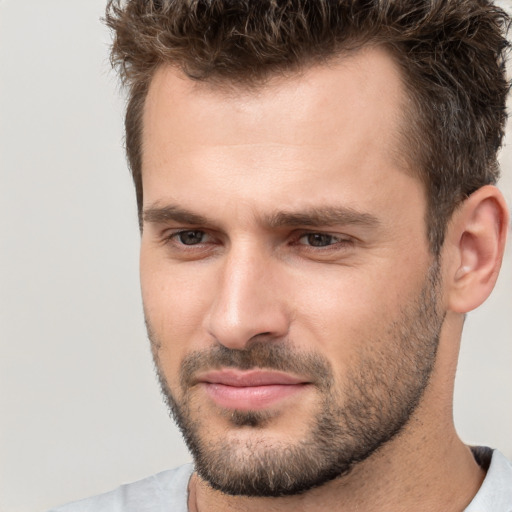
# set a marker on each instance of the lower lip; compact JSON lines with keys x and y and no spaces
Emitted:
{"x":250,"y":397}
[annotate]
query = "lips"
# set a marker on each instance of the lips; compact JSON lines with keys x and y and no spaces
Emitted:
{"x":249,"y":390}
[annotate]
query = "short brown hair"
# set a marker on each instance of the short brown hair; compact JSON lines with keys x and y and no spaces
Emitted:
{"x":451,"y":53}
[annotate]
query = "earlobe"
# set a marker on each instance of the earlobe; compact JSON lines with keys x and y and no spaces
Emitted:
{"x":477,"y":236}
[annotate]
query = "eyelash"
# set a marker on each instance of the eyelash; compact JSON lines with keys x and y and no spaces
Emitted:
{"x":176,"y":235}
{"x":339,"y":240}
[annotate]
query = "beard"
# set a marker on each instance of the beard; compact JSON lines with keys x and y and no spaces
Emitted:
{"x":379,"y":395}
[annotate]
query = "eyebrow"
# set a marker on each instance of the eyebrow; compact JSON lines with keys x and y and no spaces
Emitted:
{"x":169,"y":213}
{"x":320,"y":216}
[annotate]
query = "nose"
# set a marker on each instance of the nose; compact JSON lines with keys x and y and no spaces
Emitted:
{"x":249,"y":301}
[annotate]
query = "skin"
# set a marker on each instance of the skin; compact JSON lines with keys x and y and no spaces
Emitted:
{"x":321,"y":138}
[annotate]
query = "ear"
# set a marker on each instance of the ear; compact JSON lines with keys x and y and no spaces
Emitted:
{"x":475,"y":242}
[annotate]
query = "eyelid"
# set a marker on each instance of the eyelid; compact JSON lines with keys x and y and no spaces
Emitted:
{"x":175,"y":233}
{"x":340,"y":238}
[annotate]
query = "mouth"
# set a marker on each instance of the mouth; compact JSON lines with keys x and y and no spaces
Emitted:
{"x":249,"y":390}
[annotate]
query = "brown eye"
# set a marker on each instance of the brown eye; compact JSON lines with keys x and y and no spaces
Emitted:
{"x":190,"y":237}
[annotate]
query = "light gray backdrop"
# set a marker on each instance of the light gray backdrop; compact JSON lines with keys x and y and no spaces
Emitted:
{"x":80,"y":410}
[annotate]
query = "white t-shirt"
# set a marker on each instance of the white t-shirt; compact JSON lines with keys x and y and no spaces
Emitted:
{"x":167,"y":492}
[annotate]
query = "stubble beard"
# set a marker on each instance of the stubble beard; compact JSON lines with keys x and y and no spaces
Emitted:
{"x":379,"y":396}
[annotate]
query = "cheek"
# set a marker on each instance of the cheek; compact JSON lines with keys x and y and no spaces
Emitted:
{"x":173,"y":294}
{"x":347,"y":310}
{"x":174,"y":307}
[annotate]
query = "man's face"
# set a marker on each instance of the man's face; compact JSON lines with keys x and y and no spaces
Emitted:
{"x":289,"y":293}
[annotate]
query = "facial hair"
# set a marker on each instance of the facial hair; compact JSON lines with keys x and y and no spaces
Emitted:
{"x":380,"y":394}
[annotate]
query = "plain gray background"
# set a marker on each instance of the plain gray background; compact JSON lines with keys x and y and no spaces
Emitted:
{"x":80,"y":410}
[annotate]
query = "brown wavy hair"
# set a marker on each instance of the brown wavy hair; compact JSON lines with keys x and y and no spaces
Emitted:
{"x":451,"y":53}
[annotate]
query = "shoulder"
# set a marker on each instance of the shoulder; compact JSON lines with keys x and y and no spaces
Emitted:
{"x":154,"y":494}
{"x":495,"y":494}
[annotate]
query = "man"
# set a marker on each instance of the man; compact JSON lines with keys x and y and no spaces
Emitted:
{"x":315,"y":182}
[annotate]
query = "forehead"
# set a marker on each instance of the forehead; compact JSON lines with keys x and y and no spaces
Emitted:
{"x":294,"y":132}
{"x":366,"y":83}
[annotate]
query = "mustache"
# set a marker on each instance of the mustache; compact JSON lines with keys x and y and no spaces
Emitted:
{"x":267,"y":355}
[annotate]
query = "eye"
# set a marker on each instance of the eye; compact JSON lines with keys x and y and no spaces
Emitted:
{"x":190,"y":237}
{"x":319,"y":239}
